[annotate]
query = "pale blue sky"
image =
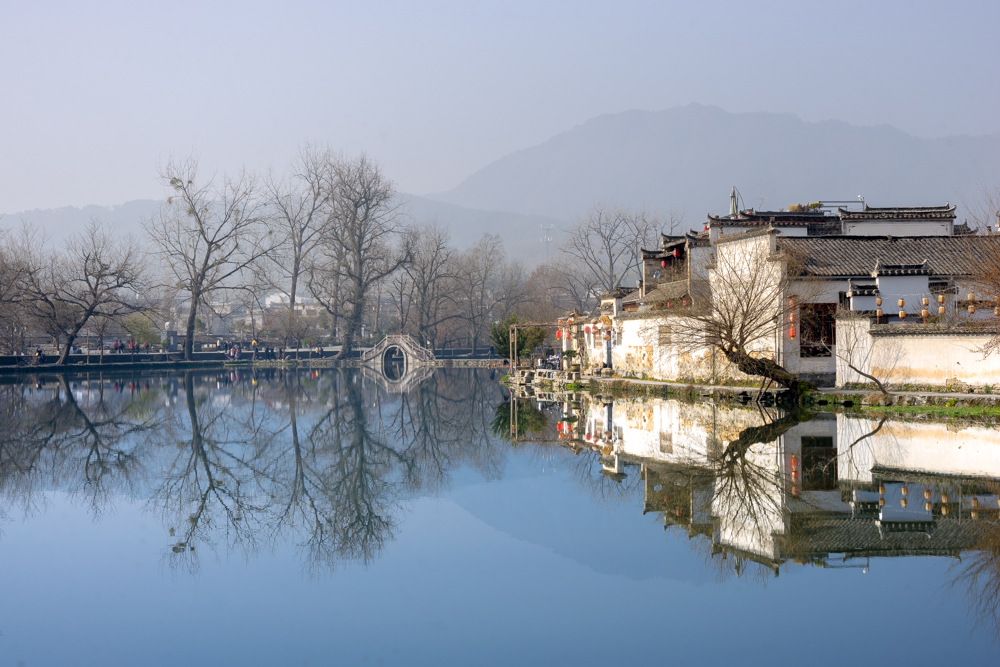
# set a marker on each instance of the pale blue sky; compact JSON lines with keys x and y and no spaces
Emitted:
{"x":95,"y":95}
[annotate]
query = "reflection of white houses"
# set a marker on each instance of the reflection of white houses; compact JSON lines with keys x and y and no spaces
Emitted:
{"x":837,"y":484}
{"x":867,"y":261}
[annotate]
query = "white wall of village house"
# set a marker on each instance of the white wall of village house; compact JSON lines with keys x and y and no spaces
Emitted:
{"x":908,"y":358}
{"x":928,"y":447}
{"x":638,"y":353}
{"x":912,"y":289}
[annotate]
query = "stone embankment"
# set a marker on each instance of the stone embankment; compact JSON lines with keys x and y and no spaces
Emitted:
{"x":530,"y":381}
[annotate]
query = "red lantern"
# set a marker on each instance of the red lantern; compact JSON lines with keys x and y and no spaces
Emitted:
{"x":663,"y":263}
{"x":791,"y":332}
{"x":559,"y":426}
{"x":587,"y":329}
{"x":670,"y":304}
{"x":677,"y":253}
{"x":559,"y":333}
{"x":684,"y":302}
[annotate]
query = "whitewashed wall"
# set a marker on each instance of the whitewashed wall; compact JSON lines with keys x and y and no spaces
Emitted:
{"x":932,"y":359}
{"x":934,"y":448}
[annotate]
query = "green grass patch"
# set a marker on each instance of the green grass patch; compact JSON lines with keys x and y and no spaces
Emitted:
{"x":944,"y":410}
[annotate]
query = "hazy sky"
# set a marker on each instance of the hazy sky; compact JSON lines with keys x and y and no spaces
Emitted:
{"x":94,"y":95}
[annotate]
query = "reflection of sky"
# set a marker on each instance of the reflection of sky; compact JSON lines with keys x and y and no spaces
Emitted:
{"x":527,"y":570}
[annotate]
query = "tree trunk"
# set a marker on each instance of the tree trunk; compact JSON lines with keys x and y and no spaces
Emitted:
{"x":291,"y":297}
{"x":765,"y":368}
{"x":189,"y":340}
{"x":64,"y":354}
{"x":352,"y":324}
{"x":878,"y":383}
{"x":71,"y":338}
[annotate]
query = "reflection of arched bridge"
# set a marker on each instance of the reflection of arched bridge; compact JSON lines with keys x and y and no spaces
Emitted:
{"x":396,"y":356}
{"x":399,"y":385}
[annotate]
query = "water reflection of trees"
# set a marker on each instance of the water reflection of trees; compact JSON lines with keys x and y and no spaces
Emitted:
{"x":71,"y":437}
{"x":243,"y":461}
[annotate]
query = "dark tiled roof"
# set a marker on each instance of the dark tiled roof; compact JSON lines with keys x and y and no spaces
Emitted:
{"x":857,"y":255}
{"x":668,"y":240}
{"x":936,"y":329}
{"x":861,"y":537}
{"x":900,"y":213}
{"x":780,"y":218}
{"x":745,"y":234}
{"x":617,"y":293}
{"x":698,"y":239}
{"x":673,"y":290}
{"x":832,"y":227}
{"x":632,"y":297}
{"x":883,"y":269}
{"x":861,"y":289}
{"x":963,"y":229}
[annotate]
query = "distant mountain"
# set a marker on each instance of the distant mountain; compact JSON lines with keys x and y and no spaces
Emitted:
{"x":688,"y":158}
{"x":521,"y":233}
{"x":61,"y":223}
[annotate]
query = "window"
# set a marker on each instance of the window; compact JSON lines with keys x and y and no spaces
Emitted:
{"x":818,"y":329}
{"x":666,"y":338}
{"x":819,"y":463}
{"x":666,"y":443}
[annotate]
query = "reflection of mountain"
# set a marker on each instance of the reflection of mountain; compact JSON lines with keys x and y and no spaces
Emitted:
{"x":611,"y":539}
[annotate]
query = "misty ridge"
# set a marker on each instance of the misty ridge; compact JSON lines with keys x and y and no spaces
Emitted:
{"x":677,"y":162}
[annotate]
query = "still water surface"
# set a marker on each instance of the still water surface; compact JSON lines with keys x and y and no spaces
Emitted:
{"x":329,"y":517}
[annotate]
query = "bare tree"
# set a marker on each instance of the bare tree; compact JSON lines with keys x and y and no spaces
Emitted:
{"x":985,"y":208}
{"x":479,"y":273}
{"x":361,"y":246}
{"x":423,"y":292}
{"x":208,"y":233}
{"x":607,"y":243}
{"x":740,"y":309}
{"x":574,"y":288}
{"x":98,"y":274}
{"x":12,"y":267}
{"x":303,"y":208}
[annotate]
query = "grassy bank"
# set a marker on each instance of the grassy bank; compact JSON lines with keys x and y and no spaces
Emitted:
{"x":940,"y":410}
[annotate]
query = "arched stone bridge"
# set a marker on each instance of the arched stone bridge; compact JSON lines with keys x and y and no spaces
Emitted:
{"x":394,"y":351}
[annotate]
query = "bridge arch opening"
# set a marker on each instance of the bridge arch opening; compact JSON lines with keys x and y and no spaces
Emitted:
{"x":394,"y":363}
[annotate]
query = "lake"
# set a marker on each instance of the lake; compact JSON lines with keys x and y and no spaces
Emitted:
{"x":334,"y":516}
